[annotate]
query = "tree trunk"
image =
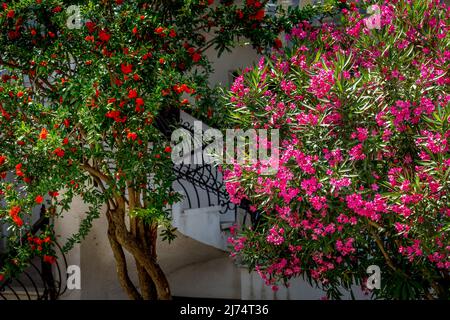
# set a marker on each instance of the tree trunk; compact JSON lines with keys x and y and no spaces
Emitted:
{"x":140,"y":242}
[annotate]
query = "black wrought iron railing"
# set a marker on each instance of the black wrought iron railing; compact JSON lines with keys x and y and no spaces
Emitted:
{"x":40,"y":280}
{"x":202,"y":184}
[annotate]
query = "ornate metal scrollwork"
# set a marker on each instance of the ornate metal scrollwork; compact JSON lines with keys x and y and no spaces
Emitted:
{"x":202,"y":184}
{"x":40,"y":280}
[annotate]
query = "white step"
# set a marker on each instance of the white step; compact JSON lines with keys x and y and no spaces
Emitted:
{"x":202,"y":224}
{"x":9,"y":295}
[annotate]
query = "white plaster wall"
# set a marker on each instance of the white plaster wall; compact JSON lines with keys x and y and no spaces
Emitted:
{"x":93,"y":256}
{"x":218,"y":278}
{"x":242,"y":57}
{"x":253,"y":288}
{"x":197,"y":270}
{"x":64,"y":227}
{"x":98,"y":266}
{"x":203,"y":225}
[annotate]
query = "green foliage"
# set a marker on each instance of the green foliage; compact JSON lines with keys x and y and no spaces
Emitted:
{"x":79,"y":106}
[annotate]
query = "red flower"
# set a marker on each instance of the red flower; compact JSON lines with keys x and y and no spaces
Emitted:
{"x":10,"y":14}
{"x":196,"y":57}
{"x":57,"y":9}
{"x":168,"y":149}
{"x":14,"y":214}
{"x":254,"y":3}
{"x":159,"y":30}
{"x":39,"y":199}
{"x":19,"y":170}
{"x":2,"y":277}
{"x":14,"y":211}
{"x":53,"y":194}
{"x":18,"y":221}
{"x":113,"y":114}
{"x":139,"y":102}
{"x":172,"y":33}
{"x":132,"y":136}
{"x":59,"y":152}
{"x":2,"y":160}
{"x":43,"y":134}
{"x":185,"y":88}
{"x":135,"y":30}
{"x":277,"y":43}
{"x":126,"y":68}
{"x":147,"y":55}
{"x":91,"y":26}
{"x":66,"y":141}
{"x":118,"y":82}
{"x":20,"y":94}
{"x":177,"y":89}
{"x":13,"y":34}
{"x":162,"y":61}
{"x":132,"y":94}
{"x":33,"y":32}
{"x":104,"y":36}
{"x":259,"y":15}
{"x":49,"y":259}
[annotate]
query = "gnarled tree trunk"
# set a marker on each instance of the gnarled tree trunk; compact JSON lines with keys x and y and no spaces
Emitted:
{"x":140,"y":241}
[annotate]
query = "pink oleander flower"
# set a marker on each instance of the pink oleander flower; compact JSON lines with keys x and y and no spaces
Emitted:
{"x":275,"y":236}
{"x":356,"y":153}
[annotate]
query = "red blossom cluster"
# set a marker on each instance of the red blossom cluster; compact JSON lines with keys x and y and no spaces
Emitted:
{"x":14,"y":214}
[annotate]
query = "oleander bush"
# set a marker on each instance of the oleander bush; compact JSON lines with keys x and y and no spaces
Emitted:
{"x":363,"y":110}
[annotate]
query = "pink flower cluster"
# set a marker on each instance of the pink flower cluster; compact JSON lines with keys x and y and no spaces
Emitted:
{"x":275,"y":236}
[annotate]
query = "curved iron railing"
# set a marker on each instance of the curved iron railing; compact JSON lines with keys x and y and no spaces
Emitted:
{"x":202,"y":184}
{"x":202,"y":179}
{"x":205,"y":179}
{"x":40,"y":280}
